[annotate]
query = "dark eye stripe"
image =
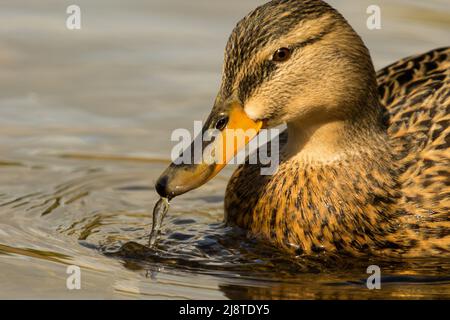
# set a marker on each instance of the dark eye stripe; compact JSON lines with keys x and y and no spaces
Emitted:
{"x":253,"y":80}
{"x":263,"y":71}
{"x":311,"y":40}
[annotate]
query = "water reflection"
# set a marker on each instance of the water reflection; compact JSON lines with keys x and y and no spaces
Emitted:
{"x":277,"y":277}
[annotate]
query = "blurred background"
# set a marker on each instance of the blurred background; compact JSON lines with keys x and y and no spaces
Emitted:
{"x":85,"y":123}
{"x":138,"y":69}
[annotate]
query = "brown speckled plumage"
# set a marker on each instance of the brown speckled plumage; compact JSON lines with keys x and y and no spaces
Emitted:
{"x":389,"y":194}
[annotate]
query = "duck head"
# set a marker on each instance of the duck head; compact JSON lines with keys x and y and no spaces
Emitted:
{"x":289,"y":61}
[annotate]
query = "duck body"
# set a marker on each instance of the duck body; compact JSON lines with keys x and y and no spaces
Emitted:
{"x":389,"y":194}
{"x":365,"y":159}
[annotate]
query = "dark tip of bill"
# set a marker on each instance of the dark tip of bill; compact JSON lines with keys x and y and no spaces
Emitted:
{"x":161,"y":187}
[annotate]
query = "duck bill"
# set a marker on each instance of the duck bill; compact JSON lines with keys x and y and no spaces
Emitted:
{"x":218,"y":147}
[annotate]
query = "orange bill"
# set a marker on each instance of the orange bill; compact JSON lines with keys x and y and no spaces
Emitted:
{"x":238,"y":132}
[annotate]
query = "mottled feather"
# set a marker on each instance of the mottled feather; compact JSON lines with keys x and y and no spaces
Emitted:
{"x":392,"y":200}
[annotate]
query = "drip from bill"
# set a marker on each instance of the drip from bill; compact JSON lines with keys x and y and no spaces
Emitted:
{"x":159,"y":212}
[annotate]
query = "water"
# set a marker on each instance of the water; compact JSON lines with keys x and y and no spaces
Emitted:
{"x":85,"y":124}
{"x":159,"y":212}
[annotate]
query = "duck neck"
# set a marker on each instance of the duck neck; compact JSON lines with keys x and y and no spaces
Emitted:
{"x":348,"y":179}
{"x":326,"y":143}
{"x":319,"y":140}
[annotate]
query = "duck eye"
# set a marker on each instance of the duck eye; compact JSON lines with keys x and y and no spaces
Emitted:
{"x":221,"y":123}
{"x":281,"y":55}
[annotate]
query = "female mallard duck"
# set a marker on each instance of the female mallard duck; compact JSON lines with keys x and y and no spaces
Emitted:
{"x":365,"y":167}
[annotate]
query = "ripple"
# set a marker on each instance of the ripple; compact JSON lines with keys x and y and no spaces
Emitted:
{"x":101,"y":219}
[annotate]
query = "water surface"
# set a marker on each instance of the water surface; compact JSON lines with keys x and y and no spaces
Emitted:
{"x":85,"y":124}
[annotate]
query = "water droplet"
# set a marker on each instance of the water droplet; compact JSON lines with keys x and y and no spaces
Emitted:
{"x":159,"y":212}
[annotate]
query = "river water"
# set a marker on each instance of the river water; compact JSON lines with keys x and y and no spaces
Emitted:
{"x":85,"y":123}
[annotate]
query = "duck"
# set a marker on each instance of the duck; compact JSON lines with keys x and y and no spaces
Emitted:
{"x":364,"y":160}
